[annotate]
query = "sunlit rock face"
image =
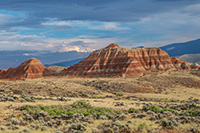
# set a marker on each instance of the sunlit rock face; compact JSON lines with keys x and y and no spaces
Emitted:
{"x":117,"y":61}
{"x":30,"y":69}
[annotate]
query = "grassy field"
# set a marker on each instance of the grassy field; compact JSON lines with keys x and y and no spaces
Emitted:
{"x":164,"y":102}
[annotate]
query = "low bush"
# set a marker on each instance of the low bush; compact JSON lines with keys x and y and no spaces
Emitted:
{"x":119,"y":94}
{"x":168,"y":124}
{"x":142,"y":126}
{"x":131,"y":110}
{"x":78,"y":107}
{"x":157,"y":109}
{"x":193,"y":112}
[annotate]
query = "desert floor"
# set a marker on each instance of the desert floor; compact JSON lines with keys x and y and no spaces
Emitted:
{"x":164,"y":102}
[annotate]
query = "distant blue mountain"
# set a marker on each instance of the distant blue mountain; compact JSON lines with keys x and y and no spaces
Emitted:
{"x":14,"y":58}
{"x":140,"y":47}
{"x":178,"y":49}
{"x":66,"y":63}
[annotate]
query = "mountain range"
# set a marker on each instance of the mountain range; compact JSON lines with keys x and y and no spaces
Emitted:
{"x":179,"y":49}
{"x":192,"y":58}
{"x":65,"y":63}
{"x":176,"y":49}
{"x":14,"y":58}
{"x":111,"y":61}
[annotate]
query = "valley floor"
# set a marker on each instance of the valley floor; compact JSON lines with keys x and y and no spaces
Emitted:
{"x":164,"y":102}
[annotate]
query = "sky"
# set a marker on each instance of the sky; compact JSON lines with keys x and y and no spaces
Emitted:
{"x":85,"y":25}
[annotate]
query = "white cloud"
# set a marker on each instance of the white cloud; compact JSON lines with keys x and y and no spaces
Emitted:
{"x":154,"y":30}
{"x":14,"y":41}
{"x":75,"y":23}
{"x":75,"y":48}
{"x":92,"y":25}
{"x":57,"y":23}
{"x":26,"y":54}
{"x":109,"y":26}
{"x":4,"y":18}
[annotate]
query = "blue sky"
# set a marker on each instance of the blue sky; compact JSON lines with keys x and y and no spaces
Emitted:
{"x":85,"y":25}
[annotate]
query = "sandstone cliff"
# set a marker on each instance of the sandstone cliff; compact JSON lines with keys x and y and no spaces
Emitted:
{"x":117,"y":61}
{"x":30,"y":69}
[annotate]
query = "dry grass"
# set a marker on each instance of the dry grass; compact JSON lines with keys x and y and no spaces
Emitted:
{"x":57,"y":68}
{"x":177,"y":85}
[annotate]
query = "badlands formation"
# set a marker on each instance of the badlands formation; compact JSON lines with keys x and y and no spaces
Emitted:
{"x":112,"y":61}
{"x":30,"y":69}
{"x":117,"y":61}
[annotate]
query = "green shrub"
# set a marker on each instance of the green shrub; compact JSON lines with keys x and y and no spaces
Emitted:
{"x":158,"y":110}
{"x":131,"y":110}
{"x":119,"y":94}
{"x":81,"y":104}
{"x":157,"y":100}
{"x":193,"y":112}
{"x":142,"y":126}
{"x":168,"y":124}
{"x":79,"y":107}
{"x":154,"y":109}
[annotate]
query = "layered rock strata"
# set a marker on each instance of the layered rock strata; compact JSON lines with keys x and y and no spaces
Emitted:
{"x":117,"y":61}
{"x":30,"y":69}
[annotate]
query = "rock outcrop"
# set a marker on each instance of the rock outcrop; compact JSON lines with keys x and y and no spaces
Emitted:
{"x":1,"y":71}
{"x":117,"y":61}
{"x":112,"y":61}
{"x":30,"y":69}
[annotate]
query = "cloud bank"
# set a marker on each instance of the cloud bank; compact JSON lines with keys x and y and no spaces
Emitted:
{"x":84,"y":25}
